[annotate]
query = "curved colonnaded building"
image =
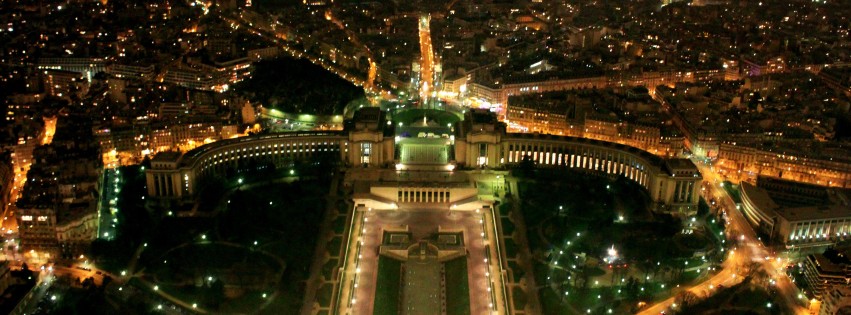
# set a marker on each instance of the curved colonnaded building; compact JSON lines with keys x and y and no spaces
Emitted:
{"x":479,"y":141}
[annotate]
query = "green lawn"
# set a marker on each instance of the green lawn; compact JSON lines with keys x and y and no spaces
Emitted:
{"x":510,"y":248}
{"x":716,"y":229}
{"x":281,"y":217}
{"x":342,"y":207}
{"x":505,"y":208}
{"x":519,"y":298}
{"x":340,"y":224}
{"x":324,"y":294}
{"x":516,"y":270}
{"x":733,"y":190}
{"x":457,"y":287}
{"x":387,"y":290}
{"x":551,"y":303}
{"x":334,"y":246}
{"x":584,"y":299}
{"x":507,"y":227}
{"x":329,"y":267}
{"x":738,"y":297}
{"x":689,"y":277}
{"x":541,"y":272}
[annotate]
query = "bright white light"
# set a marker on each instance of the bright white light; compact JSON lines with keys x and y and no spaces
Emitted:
{"x":612,"y":252}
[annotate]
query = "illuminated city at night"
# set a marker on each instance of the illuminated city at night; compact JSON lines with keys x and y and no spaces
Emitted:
{"x":424,"y":157}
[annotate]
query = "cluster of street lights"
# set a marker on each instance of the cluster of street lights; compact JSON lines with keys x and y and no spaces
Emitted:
{"x":358,"y":250}
{"x":488,"y":273}
{"x":113,"y":210}
{"x":561,"y":252}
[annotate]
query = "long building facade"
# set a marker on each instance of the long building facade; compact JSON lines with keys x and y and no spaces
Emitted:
{"x":480,"y":141}
{"x":795,"y":213}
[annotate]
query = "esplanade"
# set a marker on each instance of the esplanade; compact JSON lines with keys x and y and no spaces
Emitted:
{"x":478,"y":141}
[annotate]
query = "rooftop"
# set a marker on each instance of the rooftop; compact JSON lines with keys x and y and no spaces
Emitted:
{"x":764,"y":199}
{"x":189,"y":157}
{"x":169,"y":156}
{"x":814,"y":212}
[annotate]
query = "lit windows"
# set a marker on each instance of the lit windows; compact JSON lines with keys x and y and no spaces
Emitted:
{"x":366,"y":149}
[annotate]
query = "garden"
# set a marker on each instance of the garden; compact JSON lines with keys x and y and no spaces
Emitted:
{"x":251,"y":252}
{"x":596,"y":245}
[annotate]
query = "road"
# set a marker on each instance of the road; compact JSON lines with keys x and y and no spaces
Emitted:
{"x":10,"y":224}
{"x":277,"y":35}
{"x":353,"y":37}
{"x":426,"y":59}
{"x":749,"y":250}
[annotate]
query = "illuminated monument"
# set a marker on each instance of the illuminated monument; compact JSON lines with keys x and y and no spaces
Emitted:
{"x":430,"y":178}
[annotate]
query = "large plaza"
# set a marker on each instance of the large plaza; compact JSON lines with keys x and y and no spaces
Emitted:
{"x":422,"y":275}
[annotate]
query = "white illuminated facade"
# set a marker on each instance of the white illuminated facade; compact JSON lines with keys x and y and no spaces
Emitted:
{"x":802,"y":225}
{"x":480,"y":142}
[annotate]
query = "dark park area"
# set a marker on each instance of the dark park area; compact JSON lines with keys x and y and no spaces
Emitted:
{"x":299,"y":87}
{"x":251,"y":253}
{"x":596,"y":243}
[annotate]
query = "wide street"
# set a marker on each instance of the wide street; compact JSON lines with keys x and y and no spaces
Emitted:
{"x":426,"y":58}
{"x":749,"y":250}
